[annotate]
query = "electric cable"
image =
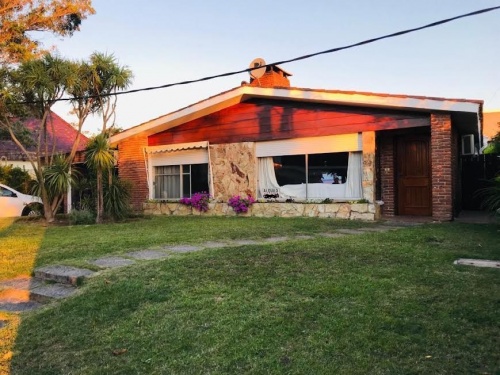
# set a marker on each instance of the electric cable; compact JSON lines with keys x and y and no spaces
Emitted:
{"x":282,"y":62}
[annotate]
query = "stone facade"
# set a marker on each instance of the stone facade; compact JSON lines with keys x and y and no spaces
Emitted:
{"x":369,"y":166}
{"x":234,"y":170}
{"x":341,"y":210}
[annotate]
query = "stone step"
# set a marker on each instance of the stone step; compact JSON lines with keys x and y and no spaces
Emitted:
{"x":48,"y":292}
{"x":63,"y":274}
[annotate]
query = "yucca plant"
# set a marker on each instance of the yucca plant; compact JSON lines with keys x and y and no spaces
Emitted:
{"x":490,"y":195}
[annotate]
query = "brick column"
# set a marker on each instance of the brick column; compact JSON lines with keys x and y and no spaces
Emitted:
{"x":131,"y":167}
{"x":442,"y":171}
{"x":369,"y":166}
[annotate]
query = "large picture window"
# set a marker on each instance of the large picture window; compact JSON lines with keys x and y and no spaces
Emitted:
{"x":311,"y":176}
{"x":180,"y":181}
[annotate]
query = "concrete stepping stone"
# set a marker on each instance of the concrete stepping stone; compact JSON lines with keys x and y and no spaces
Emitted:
{"x":332,"y":235}
{"x":183,"y":248}
{"x":375,"y":229}
{"x":147,"y":255}
{"x":111,"y":262}
{"x":62,"y":274}
{"x":276,"y":239}
{"x":20,"y":283}
{"x":303,"y":237}
{"x":212,"y":245}
{"x":17,"y":307}
{"x":48,"y":292}
{"x":245,"y":242}
{"x":478,"y":263}
{"x":349,"y":231}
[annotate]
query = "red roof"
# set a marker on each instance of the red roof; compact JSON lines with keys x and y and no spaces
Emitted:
{"x":59,"y":132}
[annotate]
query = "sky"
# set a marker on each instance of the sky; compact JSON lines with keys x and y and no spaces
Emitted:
{"x":166,"y":41}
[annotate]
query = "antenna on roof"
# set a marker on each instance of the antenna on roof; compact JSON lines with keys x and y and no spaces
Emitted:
{"x":260,"y":64}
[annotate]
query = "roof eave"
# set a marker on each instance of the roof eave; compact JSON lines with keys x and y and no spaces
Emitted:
{"x":243,"y":93}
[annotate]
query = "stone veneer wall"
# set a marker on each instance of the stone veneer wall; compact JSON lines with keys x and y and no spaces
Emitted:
{"x":351,"y":211}
{"x":369,"y":176}
{"x":234,"y":170}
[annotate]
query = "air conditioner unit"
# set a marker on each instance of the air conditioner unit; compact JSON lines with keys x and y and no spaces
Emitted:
{"x":468,"y":144}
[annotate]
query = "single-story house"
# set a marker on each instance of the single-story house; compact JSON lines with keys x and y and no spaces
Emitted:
{"x":302,"y":151}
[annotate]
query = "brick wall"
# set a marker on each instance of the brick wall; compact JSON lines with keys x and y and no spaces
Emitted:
{"x":132,"y":168}
{"x":271,"y":79}
{"x":386,"y":155}
{"x":442,"y":167}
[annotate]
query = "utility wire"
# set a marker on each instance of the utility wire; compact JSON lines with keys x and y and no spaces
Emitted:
{"x":332,"y":50}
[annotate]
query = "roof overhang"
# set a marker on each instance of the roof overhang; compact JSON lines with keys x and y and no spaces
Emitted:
{"x":471,"y":108}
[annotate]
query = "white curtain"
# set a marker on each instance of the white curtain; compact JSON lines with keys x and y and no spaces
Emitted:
{"x":267,"y":177}
{"x":354,"y":188}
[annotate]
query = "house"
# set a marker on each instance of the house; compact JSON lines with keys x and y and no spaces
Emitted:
{"x":491,"y":123}
{"x":60,"y":138}
{"x":308,"y":152}
{"x":61,"y":135}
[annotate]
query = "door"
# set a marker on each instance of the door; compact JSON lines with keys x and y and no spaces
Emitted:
{"x":413,"y":176}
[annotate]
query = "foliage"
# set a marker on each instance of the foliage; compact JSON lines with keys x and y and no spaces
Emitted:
{"x":240,"y":204}
{"x":117,"y":199}
{"x":198,"y":201}
{"x":493,"y":145}
{"x":16,"y":178}
{"x":20,"y":18}
{"x":99,"y":158}
{"x":490,"y":195}
{"x":81,"y":217}
{"x":39,"y":84}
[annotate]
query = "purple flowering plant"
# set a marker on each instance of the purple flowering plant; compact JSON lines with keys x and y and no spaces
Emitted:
{"x":198,"y":201}
{"x":240,"y":204}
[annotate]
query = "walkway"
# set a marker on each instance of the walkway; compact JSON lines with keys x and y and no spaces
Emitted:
{"x":56,"y":282}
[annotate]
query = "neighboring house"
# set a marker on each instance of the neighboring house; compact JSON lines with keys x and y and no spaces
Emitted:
{"x":304,"y":148}
{"x":60,"y":138}
{"x":491,"y":124}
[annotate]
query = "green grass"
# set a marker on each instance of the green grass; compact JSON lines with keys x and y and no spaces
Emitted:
{"x":377,"y":303}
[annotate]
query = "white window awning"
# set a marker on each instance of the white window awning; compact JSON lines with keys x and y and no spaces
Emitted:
{"x":176,"y":147}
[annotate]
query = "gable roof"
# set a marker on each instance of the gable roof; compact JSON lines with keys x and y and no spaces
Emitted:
{"x":347,"y":98}
{"x":60,"y":132}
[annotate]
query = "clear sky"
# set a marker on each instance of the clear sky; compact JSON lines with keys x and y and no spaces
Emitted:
{"x":166,"y":41}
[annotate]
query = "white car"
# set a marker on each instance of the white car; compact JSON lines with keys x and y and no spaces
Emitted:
{"x":14,"y":203}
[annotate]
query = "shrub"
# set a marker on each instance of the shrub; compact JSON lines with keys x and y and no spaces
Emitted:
{"x":117,"y":199}
{"x":81,"y":217}
{"x":240,"y":204}
{"x":198,"y":201}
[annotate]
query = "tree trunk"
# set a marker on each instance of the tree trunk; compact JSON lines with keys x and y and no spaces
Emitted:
{"x":100,"y":198}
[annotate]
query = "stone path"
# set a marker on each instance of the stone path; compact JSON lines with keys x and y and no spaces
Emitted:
{"x":56,"y":281}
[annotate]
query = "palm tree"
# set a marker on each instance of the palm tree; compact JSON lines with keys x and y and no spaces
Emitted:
{"x":99,"y":157}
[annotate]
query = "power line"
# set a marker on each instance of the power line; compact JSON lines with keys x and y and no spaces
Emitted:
{"x":332,"y":50}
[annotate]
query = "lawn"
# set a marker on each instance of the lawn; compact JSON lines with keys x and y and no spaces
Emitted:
{"x":377,"y":303}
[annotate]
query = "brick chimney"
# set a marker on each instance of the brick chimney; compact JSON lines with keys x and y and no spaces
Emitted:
{"x":273,"y":77}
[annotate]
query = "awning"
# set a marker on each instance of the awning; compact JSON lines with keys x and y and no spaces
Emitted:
{"x":176,"y":147}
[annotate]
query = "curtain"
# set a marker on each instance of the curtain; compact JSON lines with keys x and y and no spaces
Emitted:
{"x":354,"y":188}
{"x":267,"y":177}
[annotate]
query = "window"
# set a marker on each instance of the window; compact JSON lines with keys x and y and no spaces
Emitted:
{"x":179,"y":181}
{"x":311,"y":176}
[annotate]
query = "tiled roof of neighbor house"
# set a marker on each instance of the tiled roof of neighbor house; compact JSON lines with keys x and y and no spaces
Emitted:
{"x":491,"y":123}
{"x":354,"y":98}
{"x":59,"y":131}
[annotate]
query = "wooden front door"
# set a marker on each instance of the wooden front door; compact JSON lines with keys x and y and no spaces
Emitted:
{"x":413,"y":176}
